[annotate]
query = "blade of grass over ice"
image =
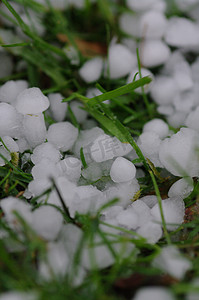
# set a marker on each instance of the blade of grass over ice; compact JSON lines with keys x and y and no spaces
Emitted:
{"x":119,"y":91}
{"x":160,"y":207}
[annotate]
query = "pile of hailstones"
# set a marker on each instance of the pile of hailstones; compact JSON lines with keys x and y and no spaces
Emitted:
{"x":22,"y":127}
{"x":174,"y":89}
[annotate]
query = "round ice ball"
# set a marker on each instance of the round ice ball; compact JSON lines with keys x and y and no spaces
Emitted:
{"x":91,"y":70}
{"x":31,"y":101}
{"x":63,"y":135}
{"x":122,"y":170}
{"x":158,"y":126}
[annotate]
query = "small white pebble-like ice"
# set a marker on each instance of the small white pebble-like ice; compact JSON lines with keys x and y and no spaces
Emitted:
{"x":34,"y":129}
{"x":47,"y":222}
{"x":91,"y":69}
{"x":31,"y":101}
{"x":128,"y":219}
{"x":151,"y":232}
{"x":63,"y":135}
{"x":10,"y":90}
{"x":120,"y":61}
{"x":122,"y":170}
{"x":178,"y":154}
{"x":45,"y":169}
{"x":45,"y":151}
{"x":10,"y":121}
{"x":149,"y":143}
{"x":173,"y":210}
{"x":70,"y":167}
{"x":57,"y":108}
{"x":140,"y":6}
{"x":153,"y":293}
{"x":154,"y":53}
{"x":182,"y":32}
{"x":153,"y":24}
{"x":158,"y":126}
{"x":106,"y":147}
{"x":192,"y":120}
{"x":182,"y":187}
{"x":171,"y":261}
{"x":164,"y":90}
{"x":142,"y":211}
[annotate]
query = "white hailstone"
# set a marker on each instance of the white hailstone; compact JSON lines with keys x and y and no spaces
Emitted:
{"x":195,"y":70}
{"x":87,"y":199}
{"x":182,"y":187}
{"x":128,"y":219}
{"x":177,"y":119}
{"x":85,"y":140}
{"x":11,"y":204}
{"x":106,"y":147}
{"x":100,"y":257}
{"x":182,"y":76}
{"x":123,"y":191}
{"x":149,"y":143}
{"x":10,"y":147}
{"x":184,"y":102}
{"x":158,"y":126}
{"x":173,"y":210}
{"x":186,"y":5}
{"x":34,"y":129}
{"x":166,"y":110}
{"x":164,"y":90}
{"x":45,"y":169}
{"x":153,"y":292}
{"x":154,"y":53}
{"x":149,"y":200}
{"x":6,"y":64}
{"x":10,"y":144}
{"x":130,"y":24}
{"x":142,"y":211}
{"x":16,"y":295}
{"x":70,"y":167}
{"x":182,"y":32}
{"x":151,"y":232}
{"x":192,"y":120}
{"x":93,"y":172}
{"x":10,"y":90}
{"x":66,"y":189}
{"x":120,"y":61}
{"x":10,"y":121}
{"x":193,"y":295}
{"x":63,"y":135}
{"x":47,"y":222}
{"x":178,"y":154}
{"x":22,"y":144}
{"x":140,"y":6}
{"x":57,"y":108}
{"x":111,"y":212}
{"x":56,"y":264}
{"x":122,"y":170}
{"x":80,"y":114}
{"x":31,"y":101}
{"x":45,"y":151}
{"x":91,"y":69}
{"x":153,"y":24}
{"x":38,"y":186}
{"x":144,"y":72}
{"x":171,"y":261}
